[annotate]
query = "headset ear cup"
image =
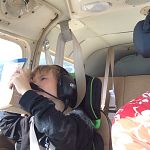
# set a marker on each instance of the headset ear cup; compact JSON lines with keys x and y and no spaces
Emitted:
{"x":66,"y":89}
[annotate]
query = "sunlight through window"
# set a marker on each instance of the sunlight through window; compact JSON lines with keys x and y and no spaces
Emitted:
{"x":8,"y":51}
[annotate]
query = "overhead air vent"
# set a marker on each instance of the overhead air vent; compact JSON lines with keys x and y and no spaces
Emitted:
{"x":18,"y":8}
{"x":83,"y":8}
{"x":95,"y":6}
{"x":136,"y":2}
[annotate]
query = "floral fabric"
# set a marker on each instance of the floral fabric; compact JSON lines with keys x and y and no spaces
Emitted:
{"x":131,"y":125}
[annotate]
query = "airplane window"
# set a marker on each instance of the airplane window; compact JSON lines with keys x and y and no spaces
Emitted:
{"x":1,"y":68}
{"x":42,"y":59}
{"x":8,"y":51}
{"x":67,"y":65}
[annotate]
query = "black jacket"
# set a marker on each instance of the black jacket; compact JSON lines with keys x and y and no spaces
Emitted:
{"x":65,"y":132}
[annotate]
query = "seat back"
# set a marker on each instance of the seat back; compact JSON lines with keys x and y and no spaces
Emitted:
{"x":127,"y":88}
{"x":91,"y":105}
{"x":141,"y":35}
{"x":105,"y":131}
{"x":92,"y":100}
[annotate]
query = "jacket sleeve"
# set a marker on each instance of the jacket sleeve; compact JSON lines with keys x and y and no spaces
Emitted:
{"x":64,"y":131}
{"x":10,"y":125}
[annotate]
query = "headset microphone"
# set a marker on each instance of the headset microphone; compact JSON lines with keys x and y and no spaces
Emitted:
{"x":37,"y":88}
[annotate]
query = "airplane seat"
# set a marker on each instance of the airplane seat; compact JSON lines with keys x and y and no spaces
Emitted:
{"x":91,"y":106}
{"x":141,"y":36}
{"x":105,"y":131}
{"x":6,"y":144}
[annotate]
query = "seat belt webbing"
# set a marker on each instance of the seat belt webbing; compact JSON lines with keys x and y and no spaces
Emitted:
{"x":112,"y":102}
{"x":34,"y":144}
{"x":48,"y":57}
{"x":33,"y":139}
{"x":78,"y":63}
{"x":109,"y":63}
{"x":105,"y":83}
{"x":79,"y":70}
{"x":60,"y":51}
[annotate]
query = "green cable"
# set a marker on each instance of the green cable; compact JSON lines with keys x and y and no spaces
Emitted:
{"x":91,"y":91}
{"x":97,"y":122}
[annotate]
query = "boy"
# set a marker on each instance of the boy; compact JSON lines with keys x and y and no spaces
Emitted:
{"x":53,"y":124}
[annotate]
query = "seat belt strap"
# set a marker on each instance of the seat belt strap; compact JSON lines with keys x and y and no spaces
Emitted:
{"x":105,"y":82}
{"x":60,"y":51}
{"x":79,"y":70}
{"x":112,"y":102}
{"x":106,"y":77}
{"x":34,"y":145}
{"x":65,"y":36}
{"x":48,"y":57}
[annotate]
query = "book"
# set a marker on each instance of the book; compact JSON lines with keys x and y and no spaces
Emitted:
{"x":6,"y":94}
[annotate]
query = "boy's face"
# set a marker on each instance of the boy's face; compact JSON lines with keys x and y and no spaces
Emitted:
{"x":47,"y":82}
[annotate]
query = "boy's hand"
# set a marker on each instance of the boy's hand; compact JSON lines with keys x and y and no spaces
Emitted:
{"x":20,"y":80}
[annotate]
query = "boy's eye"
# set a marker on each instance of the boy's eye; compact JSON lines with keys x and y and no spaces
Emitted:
{"x":43,"y":78}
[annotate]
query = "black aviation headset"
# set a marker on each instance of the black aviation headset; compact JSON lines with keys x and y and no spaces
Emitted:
{"x":66,"y":88}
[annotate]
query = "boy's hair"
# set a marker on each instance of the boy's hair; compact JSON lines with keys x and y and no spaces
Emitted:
{"x":45,"y":69}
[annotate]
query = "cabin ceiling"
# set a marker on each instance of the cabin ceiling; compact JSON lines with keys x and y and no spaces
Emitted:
{"x":96,"y":29}
{"x":31,"y":18}
{"x":99,"y":30}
